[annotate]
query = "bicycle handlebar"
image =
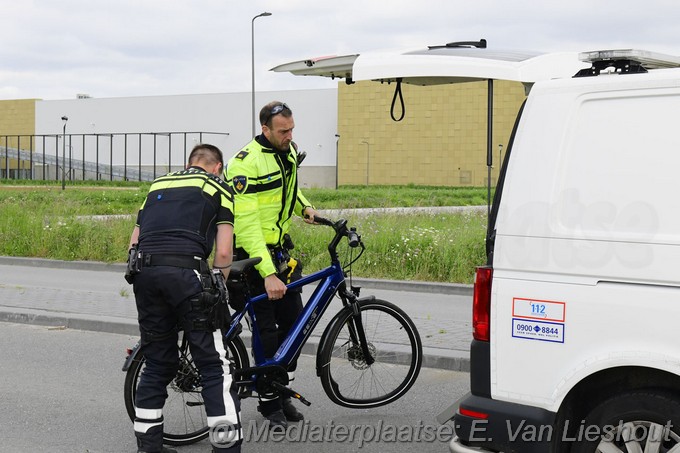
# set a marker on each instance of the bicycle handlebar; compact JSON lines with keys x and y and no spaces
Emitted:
{"x":323,"y":221}
{"x":341,"y":230}
{"x":353,"y":238}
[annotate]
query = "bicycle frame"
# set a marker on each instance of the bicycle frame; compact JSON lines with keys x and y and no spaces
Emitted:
{"x":331,"y":279}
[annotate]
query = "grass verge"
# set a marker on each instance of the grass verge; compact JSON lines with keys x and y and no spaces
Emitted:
{"x":46,"y":222}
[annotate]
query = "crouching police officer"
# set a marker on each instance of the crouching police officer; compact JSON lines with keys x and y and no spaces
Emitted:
{"x":184,"y":214}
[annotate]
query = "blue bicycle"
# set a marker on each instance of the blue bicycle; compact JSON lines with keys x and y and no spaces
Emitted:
{"x":369,"y":354}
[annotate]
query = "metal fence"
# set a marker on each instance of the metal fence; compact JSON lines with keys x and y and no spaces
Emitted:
{"x":138,"y":156}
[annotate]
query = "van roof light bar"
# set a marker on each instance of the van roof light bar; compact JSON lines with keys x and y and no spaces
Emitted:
{"x":625,"y":61}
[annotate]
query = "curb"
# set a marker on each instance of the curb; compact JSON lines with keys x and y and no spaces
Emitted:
{"x":432,"y":357}
{"x":59,"y":264}
{"x":392,"y":285}
{"x":108,"y":324}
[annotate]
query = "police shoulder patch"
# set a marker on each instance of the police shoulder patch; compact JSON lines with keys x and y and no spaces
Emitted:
{"x":241,"y":155}
{"x":240,"y":183}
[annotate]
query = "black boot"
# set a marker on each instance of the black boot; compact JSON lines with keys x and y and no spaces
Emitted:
{"x":290,"y":411}
{"x":164,"y":450}
{"x":148,"y":441}
{"x":277,"y":421}
{"x":233,"y":449}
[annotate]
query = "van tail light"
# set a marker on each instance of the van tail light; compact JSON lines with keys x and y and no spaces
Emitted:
{"x":481,"y":303}
{"x":473,"y":414}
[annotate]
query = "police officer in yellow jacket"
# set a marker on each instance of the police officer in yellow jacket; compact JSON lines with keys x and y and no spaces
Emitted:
{"x":266,"y":195}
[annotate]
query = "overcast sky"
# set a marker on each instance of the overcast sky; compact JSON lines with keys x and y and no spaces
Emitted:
{"x":53,"y":49}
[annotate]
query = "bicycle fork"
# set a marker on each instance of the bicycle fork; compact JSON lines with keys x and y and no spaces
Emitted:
{"x":356,"y":330}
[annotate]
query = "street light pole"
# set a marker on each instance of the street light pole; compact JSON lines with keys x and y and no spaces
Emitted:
{"x":63,"y":162}
{"x":252,"y":64}
{"x":368,"y":157}
{"x":337,"y":160}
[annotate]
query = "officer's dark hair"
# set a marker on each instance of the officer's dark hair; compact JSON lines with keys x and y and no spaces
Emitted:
{"x":209,"y":154}
{"x":271,"y":110}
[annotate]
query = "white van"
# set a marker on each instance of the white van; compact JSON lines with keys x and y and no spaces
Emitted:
{"x":575,"y":344}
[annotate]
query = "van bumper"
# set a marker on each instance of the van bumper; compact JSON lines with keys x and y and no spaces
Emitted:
{"x":456,"y":447}
{"x":507,"y":427}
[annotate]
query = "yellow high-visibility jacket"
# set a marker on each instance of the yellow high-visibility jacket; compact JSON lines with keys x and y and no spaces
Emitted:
{"x":265,"y":198}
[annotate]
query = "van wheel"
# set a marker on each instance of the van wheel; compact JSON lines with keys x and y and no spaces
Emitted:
{"x":641,"y":421}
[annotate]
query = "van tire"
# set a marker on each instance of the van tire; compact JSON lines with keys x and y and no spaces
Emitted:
{"x":633,"y":413}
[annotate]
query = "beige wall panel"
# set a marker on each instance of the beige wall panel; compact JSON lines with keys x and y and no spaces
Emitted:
{"x":17,"y":117}
{"x":441,"y":141}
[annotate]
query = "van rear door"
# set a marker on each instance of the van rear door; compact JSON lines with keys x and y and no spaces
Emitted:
{"x":435,"y":65}
{"x":450,"y":63}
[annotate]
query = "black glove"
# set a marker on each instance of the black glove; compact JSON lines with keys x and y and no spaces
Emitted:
{"x":220,"y":285}
{"x":133,"y":264}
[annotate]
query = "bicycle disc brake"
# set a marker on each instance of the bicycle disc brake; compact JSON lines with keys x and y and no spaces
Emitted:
{"x":356,"y":356}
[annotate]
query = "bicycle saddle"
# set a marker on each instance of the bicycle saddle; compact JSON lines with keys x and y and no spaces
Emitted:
{"x":241,"y":266}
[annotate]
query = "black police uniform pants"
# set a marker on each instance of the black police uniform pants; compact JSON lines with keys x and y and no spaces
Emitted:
{"x":163,"y":296}
{"x":274,"y":320}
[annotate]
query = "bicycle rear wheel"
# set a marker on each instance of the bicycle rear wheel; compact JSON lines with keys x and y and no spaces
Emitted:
{"x":393,"y":342}
{"x":184,"y":417}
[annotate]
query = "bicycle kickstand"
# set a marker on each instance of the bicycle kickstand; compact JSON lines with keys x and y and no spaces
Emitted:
{"x":283,"y":390}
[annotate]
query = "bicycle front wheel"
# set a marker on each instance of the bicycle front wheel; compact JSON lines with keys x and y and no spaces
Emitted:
{"x":185,"y":420}
{"x":394,"y":344}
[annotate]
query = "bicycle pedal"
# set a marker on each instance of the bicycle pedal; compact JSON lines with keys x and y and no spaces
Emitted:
{"x":286,"y":391}
{"x":301,"y":398}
